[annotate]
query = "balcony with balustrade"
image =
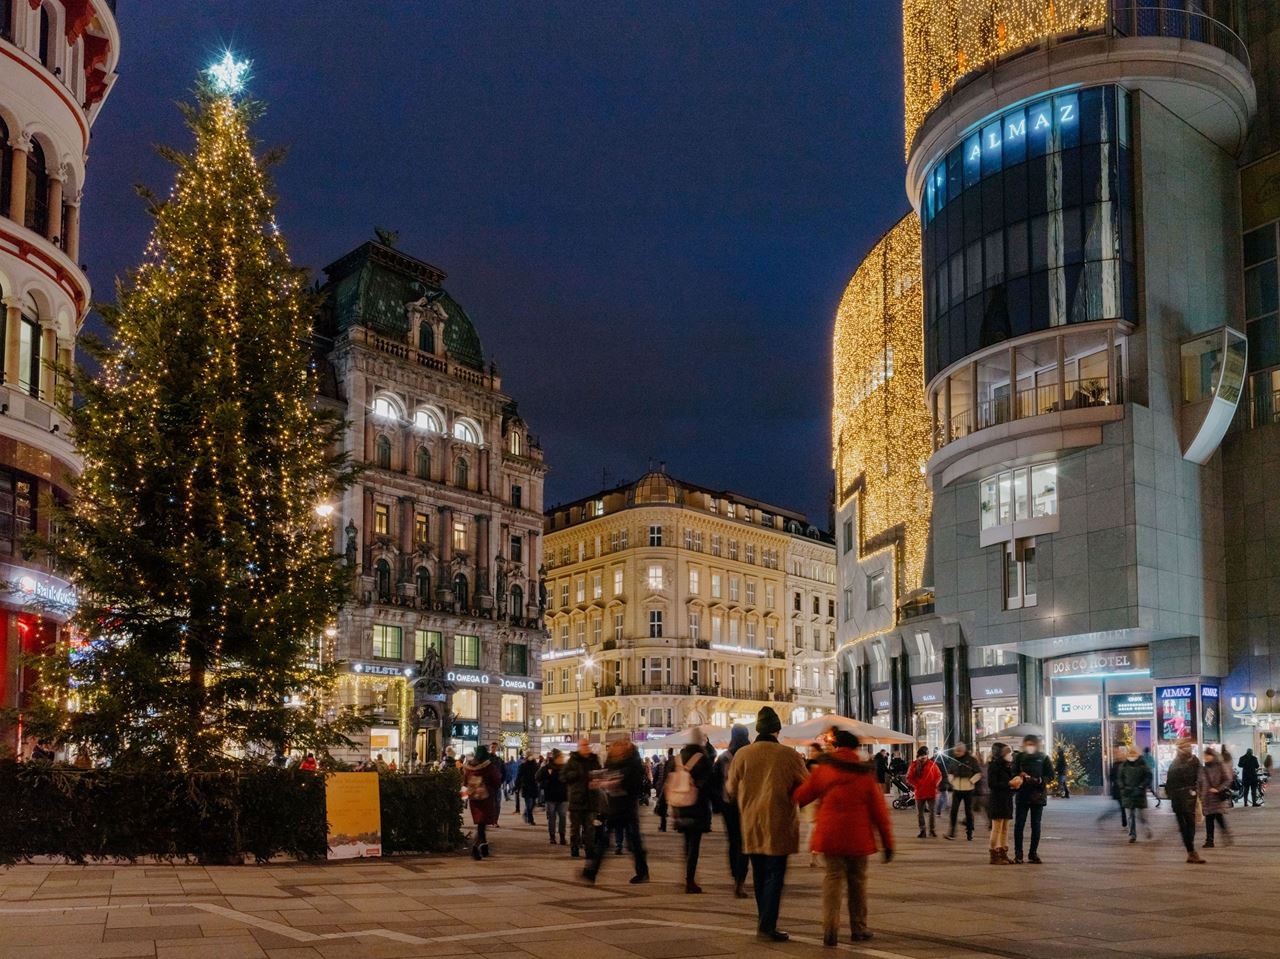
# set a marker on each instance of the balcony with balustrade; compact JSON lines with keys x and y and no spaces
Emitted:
{"x":1032,"y":395}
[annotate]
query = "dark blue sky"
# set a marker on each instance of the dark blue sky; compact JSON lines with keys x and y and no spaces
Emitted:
{"x":650,"y":210}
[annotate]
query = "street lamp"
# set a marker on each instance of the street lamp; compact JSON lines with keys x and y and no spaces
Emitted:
{"x":586,"y":664}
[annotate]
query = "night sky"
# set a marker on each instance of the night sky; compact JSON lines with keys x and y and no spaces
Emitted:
{"x":650,"y":210}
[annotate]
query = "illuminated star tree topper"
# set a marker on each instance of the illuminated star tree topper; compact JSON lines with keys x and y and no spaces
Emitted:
{"x":228,"y":75}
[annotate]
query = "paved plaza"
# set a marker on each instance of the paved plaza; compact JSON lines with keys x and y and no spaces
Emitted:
{"x":1095,"y":895}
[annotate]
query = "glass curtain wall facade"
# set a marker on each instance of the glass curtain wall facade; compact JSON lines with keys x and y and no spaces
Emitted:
{"x":1028,"y":225}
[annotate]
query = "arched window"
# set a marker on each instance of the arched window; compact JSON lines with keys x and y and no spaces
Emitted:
{"x":37,"y":213}
{"x":515,"y":443}
{"x":460,"y":590}
{"x":461,"y":474}
{"x":466,"y":432}
{"x":428,"y":420}
{"x":615,"y":721}
{"x":6,"y":154}
{"x":517,"y":601}
{"x":426,"y":338}
{"x":422,"y":579}
{"x":46,"y":33}
{"x":424,"y":463}
{"x":382,"y":452}
{"x":384,"y":409}
{"x":382,"y":579}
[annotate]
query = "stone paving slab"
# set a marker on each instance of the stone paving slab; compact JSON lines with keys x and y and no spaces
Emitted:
{"x":1096,"y":895}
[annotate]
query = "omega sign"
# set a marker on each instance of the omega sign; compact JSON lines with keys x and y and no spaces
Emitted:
{"x":468,"y":678}
{"x":1114,"y":661}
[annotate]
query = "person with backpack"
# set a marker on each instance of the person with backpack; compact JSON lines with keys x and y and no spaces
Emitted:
{"x":618,"y":786}
{"x":481,"y":780}
{"x":924,"y":777}
{"x":688,"y":795}
{"x":555,"y":794}
{"x":577,"y":780}
{"x":964,"y":773}
{"x":851,"y":814}
{"x":762,"y":778}
{"x":739,"y":736}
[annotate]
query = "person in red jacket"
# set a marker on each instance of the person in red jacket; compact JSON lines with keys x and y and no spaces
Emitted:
{"x":852,"y":812}
{"x":924,"y":777}
{"x":481,"y":781}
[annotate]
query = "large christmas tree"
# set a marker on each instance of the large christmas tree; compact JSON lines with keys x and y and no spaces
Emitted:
{"x":205,"y":578}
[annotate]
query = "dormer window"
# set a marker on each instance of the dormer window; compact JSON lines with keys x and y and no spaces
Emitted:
{"x":515,"y":443}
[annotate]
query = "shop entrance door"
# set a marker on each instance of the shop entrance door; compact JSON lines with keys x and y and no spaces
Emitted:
{"x":1082,"y":744}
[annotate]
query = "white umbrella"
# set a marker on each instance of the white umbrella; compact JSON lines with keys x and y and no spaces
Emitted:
{"x":718,"y":736}
{"x":800,"y":734}
{"x":1014,"y":733}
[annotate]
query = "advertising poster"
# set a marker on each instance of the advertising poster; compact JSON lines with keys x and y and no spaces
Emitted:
{"x":1176,"y":717}
{"x":355,"y":818}
{"x":1210,"y":714}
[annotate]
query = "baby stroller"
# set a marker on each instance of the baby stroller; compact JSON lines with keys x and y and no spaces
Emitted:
{"x":904,"y":796}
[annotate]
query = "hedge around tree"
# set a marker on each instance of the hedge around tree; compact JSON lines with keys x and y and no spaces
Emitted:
{"x":219,"y":817}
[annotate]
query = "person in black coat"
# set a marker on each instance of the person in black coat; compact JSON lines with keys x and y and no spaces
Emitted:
{"x":618,"y":787}
{"x":1032,"y":770}
{"x":692,"y":821}
{"x":882,"y":770}
{"x":1249,"y":779}
{"x":527,"y":784}
{"x":999,"y":802}
{"x":577,"y":780}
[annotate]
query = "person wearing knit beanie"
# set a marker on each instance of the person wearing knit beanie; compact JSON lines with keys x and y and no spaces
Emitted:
{"x":767,"y":722}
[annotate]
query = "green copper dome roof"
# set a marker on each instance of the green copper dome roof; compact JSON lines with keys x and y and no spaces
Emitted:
{"x":374,"y":284}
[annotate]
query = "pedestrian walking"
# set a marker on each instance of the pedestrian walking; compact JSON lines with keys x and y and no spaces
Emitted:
{"x":1060,"y":773}
{"x":1249,"y":779}
{"x":481,"y":780}
{"x":1182,"y":784}
{"x":617,"y":787}
{"x":944,"y":783}
{"x":1031,"y":774}
{"x":851,"y":815}
{"x":923,"y":777}
{"x":577,"y":781}
{"x":808,"y":814}
{"x":739,"y":736}
{"x":1215,"y":796}
{"x":1133,"y":780}
{"x":1150,"y":760}
{"x":999,"y":782}
{"x":665,"y":765}
{"x":688,"y":795}
{"x":882,"y":770}
{"x":527,"y":784}
{"x":762,"y":778}
{"x":1113,"y":787}
{"x":555,"y":794}
{"x":964,"y":773}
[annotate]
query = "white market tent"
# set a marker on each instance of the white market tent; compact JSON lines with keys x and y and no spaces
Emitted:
{"x":801,"y":734}
{"x":718,"y":736}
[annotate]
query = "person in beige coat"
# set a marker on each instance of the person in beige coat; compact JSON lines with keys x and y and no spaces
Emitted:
{"x":761,"y":779}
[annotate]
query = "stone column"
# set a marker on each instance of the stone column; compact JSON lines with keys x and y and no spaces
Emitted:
{"x":406,"y":538}
{"x":484,"y":554}
{"x":367,"y":525}
{"x":484,"y":470}
{"x":71,"y":242}
{"x":18,"y":182}
{"x":66,"y":358}
{"x":48,"y":357}
{"x":12,"y":340}
{"x":53,"y":229}
{"x":444,"y":582}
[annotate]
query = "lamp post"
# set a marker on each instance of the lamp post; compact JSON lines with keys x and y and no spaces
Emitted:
{"x":586,"y":664}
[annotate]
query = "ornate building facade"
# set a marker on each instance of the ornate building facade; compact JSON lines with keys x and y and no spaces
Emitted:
{"x":59,"y":61}
{"x":442,"y":530}
{"x":670,"y":605}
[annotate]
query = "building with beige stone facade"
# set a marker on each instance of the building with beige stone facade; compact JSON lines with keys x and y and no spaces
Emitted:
{"x":442,"y":531}
{"x":671,"y":605}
